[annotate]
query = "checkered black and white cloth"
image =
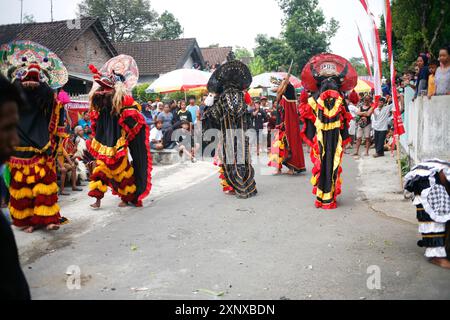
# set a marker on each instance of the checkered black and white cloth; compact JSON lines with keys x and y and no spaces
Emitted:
{"x":439,"y":200}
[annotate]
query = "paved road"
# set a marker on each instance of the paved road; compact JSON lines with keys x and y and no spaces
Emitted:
{"x":197,"y":242}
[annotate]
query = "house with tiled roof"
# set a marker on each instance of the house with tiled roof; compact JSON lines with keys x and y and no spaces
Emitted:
{"x":78,"y":44}
{"x":158,"y":57}
{"x":216,"y":55}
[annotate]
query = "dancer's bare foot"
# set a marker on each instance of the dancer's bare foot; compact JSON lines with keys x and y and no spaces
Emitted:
{"x":29,"y":229}
{"x":123,"y":204}
{"x":441,"y":262}
{"x":230,"y":193}
{"x":77,"y":189}
{"x":52,"y":227}
{"x":96,"y":205}
{"x":277,"y":173}
{"x":290,"y":172}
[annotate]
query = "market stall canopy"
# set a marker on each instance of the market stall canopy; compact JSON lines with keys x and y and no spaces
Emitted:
{"x":265,"y":80}
{"x":180,"y":80}
{"x":364,"y":86}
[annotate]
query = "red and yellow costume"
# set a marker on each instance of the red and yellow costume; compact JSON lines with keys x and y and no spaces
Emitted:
{"x":326,"y":121}
{"x":287,"y":148}
{"x":33,"y":187}
{"x":119,"y":131}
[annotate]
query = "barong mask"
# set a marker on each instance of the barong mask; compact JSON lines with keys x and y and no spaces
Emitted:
{"x":32,"y":65}
{"x":113,"y":83}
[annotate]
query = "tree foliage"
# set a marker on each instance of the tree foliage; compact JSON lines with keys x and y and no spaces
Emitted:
{"x":306,"y":32}
{"x":419,"y":26}
{"x":131,"y":20}
{"x":359,"y":66}
{"x":169,"y":27}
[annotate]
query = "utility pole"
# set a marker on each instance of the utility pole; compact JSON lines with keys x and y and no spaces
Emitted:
{"x":21,"y":11}
{"x":51,"y":9}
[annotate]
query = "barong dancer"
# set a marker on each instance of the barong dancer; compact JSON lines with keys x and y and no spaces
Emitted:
{"x":33,"y":187}
{"x":326,"y":121}
{"x":120,"y":142}
{"x":287,"y":147}
{"x":230,"y":115}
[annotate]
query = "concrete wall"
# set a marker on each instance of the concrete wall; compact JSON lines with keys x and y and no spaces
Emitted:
{"x":427,"y":123}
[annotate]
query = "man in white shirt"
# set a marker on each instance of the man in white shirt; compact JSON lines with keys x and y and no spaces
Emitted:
{"x":381,"y":118}
{"x":156,"y":136}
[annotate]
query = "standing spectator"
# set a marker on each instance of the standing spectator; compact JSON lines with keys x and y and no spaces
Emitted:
{"x":271,"y":124}
{"x":166,"y":117}
{"x":443,"y":73}
{"x":85,"y":123}
{"x":259,"y":117}
{"x":382,"y":116}
{"x":202,"y":107}
{"x":264,"y":103}
{"x":353,"y":109}
{"x":364,"y":125}
{"x":183,"y":114}
{"x":432,"y":66}
{"x":422,"y":76}
{"x":194,"y":110}
{"x":156,"y":136}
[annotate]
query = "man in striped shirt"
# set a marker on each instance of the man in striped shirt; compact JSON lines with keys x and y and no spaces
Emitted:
{"x":382,"y":115}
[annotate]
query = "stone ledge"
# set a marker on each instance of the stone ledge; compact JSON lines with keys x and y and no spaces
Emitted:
{"x":165,"y":157}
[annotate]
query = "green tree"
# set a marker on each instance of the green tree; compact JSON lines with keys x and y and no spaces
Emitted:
{"x":275,"y":53}
{"x":419,"y":26}
{"x":169,"y":27}
{"x":141,"y":96}
{"x":123,"y":20}
{"x":359,"y":65}
{"x":306,"y":31}
{"x":256,"y":66}
{"x":241,"y":52}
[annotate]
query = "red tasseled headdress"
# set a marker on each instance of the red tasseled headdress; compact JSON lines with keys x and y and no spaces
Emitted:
{"x":353,"y":97}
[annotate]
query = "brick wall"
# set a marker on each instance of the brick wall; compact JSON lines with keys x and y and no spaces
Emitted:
{"x":86,"y":50}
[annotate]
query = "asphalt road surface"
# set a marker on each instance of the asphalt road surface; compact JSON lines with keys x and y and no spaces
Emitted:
{"x":198,"y":243}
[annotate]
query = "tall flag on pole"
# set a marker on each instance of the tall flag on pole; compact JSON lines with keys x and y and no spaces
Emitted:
{"x":399,"y":128}
{"x":363,"y":51}
{"x":376,"y":45}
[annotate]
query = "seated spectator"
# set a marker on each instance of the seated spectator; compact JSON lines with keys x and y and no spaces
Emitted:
{"x":85,"y":123}
{"x":66,"y":164}
{"x":185,"y":142}
{"x":147,"y":112}
{"x":156,"y":136}
{"x":85,"y":161}
{"x":432,"y":66}
{"x":166,"y":117}
{"x":442,"y":78}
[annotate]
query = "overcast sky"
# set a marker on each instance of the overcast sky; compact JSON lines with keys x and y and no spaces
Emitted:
{"x":227,"y":22}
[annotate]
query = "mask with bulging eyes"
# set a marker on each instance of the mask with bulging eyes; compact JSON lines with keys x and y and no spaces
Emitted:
{"x":209,"y":101}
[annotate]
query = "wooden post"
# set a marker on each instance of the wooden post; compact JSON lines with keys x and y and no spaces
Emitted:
{"x":399,"y":162}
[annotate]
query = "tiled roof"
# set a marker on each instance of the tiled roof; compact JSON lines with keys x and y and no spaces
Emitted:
{"x":159,"y":56}
{"x":57,"y":35}
{"x":216,"y":55}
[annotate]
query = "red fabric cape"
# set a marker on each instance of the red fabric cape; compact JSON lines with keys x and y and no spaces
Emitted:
{"x":292,"y":129}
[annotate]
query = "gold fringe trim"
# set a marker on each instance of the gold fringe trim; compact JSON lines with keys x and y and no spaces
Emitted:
{"x":21,"y":193}
{"x":109,"y":151}
{"x":45,"y":211}
{"x":98,"y":185}
{"x":21,"y":214}
{"x":46,"y":190}
{"x":128,"y":190}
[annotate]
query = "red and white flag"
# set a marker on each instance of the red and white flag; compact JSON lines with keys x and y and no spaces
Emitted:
{"x":363,"y":51}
